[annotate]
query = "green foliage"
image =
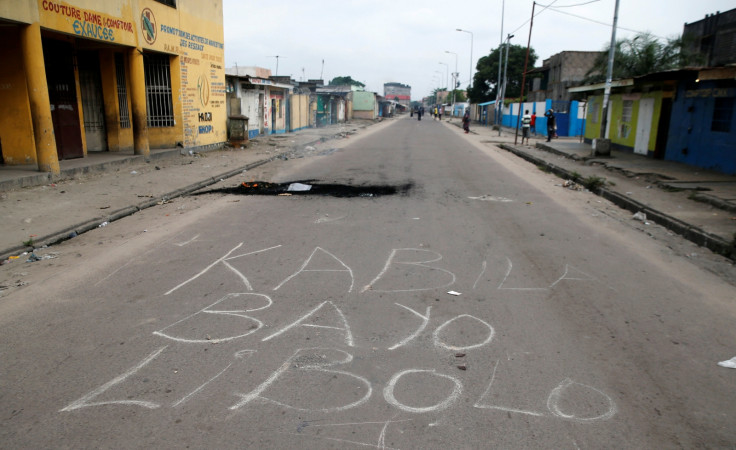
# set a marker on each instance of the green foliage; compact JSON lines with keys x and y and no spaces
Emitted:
{"x":341,"y":81}
{"x":641,"y":55}
{"x":486,"y":76}
{"x":593,"y":182}
{"x":459,"y":96}
{"x":29,"y":242}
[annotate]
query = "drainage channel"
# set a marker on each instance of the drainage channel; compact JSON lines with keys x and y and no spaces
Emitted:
{"x":309,"y":187}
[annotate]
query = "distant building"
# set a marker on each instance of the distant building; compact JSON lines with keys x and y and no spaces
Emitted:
{"x":442,"y":97}
{"x":713,"y":37}
{"x":399,"y":92}
{"x":254,"y":93}
{"x":558,"y":73}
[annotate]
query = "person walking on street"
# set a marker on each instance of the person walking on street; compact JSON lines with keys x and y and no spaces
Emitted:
{"x":420,"y":112}
{"x":526,"y":121}
{"x":533,"y":124}
{"x":440,"y":111}
{"x":551,"y":126}
{"x":466,"y":121}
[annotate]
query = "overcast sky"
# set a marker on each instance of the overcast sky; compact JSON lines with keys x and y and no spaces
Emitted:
{"x":405,"y":41}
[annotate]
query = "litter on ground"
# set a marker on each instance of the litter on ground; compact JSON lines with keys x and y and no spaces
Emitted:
{"x":730,"y":364}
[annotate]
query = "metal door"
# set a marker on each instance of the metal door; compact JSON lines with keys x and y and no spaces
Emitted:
{"x":59,"y":60}
{"x":644,"y":126}
{"x":93,"y":107}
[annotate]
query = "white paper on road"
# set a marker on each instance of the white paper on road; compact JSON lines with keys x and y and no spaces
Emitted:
{"x":731,"y":363}
{"x":453,"y":292}
{"x":299,"y":187}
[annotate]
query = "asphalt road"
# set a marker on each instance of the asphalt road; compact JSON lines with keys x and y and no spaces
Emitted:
{"x":477,"y":307}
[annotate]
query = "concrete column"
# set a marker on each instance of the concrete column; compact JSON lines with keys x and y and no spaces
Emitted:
{"x":110,"y":95}
{"x":138,"y":106}
{"x":38,"y":95}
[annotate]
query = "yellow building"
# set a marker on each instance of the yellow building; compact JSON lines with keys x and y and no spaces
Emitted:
{"x":116,"y":75}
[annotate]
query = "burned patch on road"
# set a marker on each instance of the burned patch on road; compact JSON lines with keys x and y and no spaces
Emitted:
{"x":309,"y":187}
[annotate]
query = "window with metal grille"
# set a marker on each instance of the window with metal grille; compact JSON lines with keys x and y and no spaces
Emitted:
{"x":158,"y":90}
{"x":171,"y":3}
{"x":722,"y":114}
{"x":122,"y":91}
{"x":628,"y":111}
{"x":594,"y":112}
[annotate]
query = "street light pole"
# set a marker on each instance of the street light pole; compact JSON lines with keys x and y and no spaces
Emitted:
{"x":447,"y":74}
{"x":470,"y":83}
{"x":454,"y":82}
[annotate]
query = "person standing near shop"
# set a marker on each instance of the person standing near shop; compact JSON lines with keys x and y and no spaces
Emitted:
{"x":526,"y":121}
{"x":551,"y":126}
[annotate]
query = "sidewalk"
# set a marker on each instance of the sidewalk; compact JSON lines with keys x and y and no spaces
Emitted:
{"x":695,"y":203}
{"x":38,"y":209}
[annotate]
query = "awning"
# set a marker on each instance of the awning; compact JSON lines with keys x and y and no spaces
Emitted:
{"x":600,"y":86}
{"x":486,"y":103}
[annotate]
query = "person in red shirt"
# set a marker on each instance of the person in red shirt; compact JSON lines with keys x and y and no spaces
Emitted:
{"x":533,"y":124}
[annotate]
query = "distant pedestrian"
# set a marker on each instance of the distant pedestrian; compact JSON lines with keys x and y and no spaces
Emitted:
{"x":551,"y":124}
{"x":526,"y":121}
{"x":533,"y":124}
{"x":466,"y":121}
{"x":440,"y":111}
{"x":420,"y":111}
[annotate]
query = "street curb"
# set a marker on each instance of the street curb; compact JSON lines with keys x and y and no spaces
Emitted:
{"x":76,"y":230}
{"x":689,"y":232}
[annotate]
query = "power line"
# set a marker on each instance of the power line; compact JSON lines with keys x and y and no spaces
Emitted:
{"x":603,"y":23}
{"x":571,"y":6}
{"x":535,"y":15}
{"x":556,"y":9}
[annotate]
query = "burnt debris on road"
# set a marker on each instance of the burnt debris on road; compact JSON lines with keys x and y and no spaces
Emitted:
{"x":309,"y":187}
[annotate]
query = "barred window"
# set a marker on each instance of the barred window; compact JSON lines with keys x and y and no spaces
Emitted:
{"x":594,"y":109}
{"x":628,"y":111}
{"x":158,"y":90}
{"x":722,"y":114}
{"x":124,"y":111}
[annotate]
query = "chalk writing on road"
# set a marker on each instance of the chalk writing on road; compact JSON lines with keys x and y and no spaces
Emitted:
{"x":239,"y":318}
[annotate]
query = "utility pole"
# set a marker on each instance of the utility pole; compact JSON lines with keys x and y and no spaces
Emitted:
{"x":498,"y":84}
{"x":505,"y":79}
{"x":602,"y":146}
{"x":523,"y":76}
{"x":277,"y":62}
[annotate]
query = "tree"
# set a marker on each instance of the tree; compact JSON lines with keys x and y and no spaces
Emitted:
{"x":341,"y":81}
{"x":486,"y":76}
{"x":641,"y":55}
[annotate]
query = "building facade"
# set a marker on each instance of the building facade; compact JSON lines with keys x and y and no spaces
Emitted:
{"x":398,"y":92}
{"x":713,"y":38}
{"x":121,"y":75}
{"x":264,"y":99}
{"x":687,"y":115}
{"x":559,"y":73}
